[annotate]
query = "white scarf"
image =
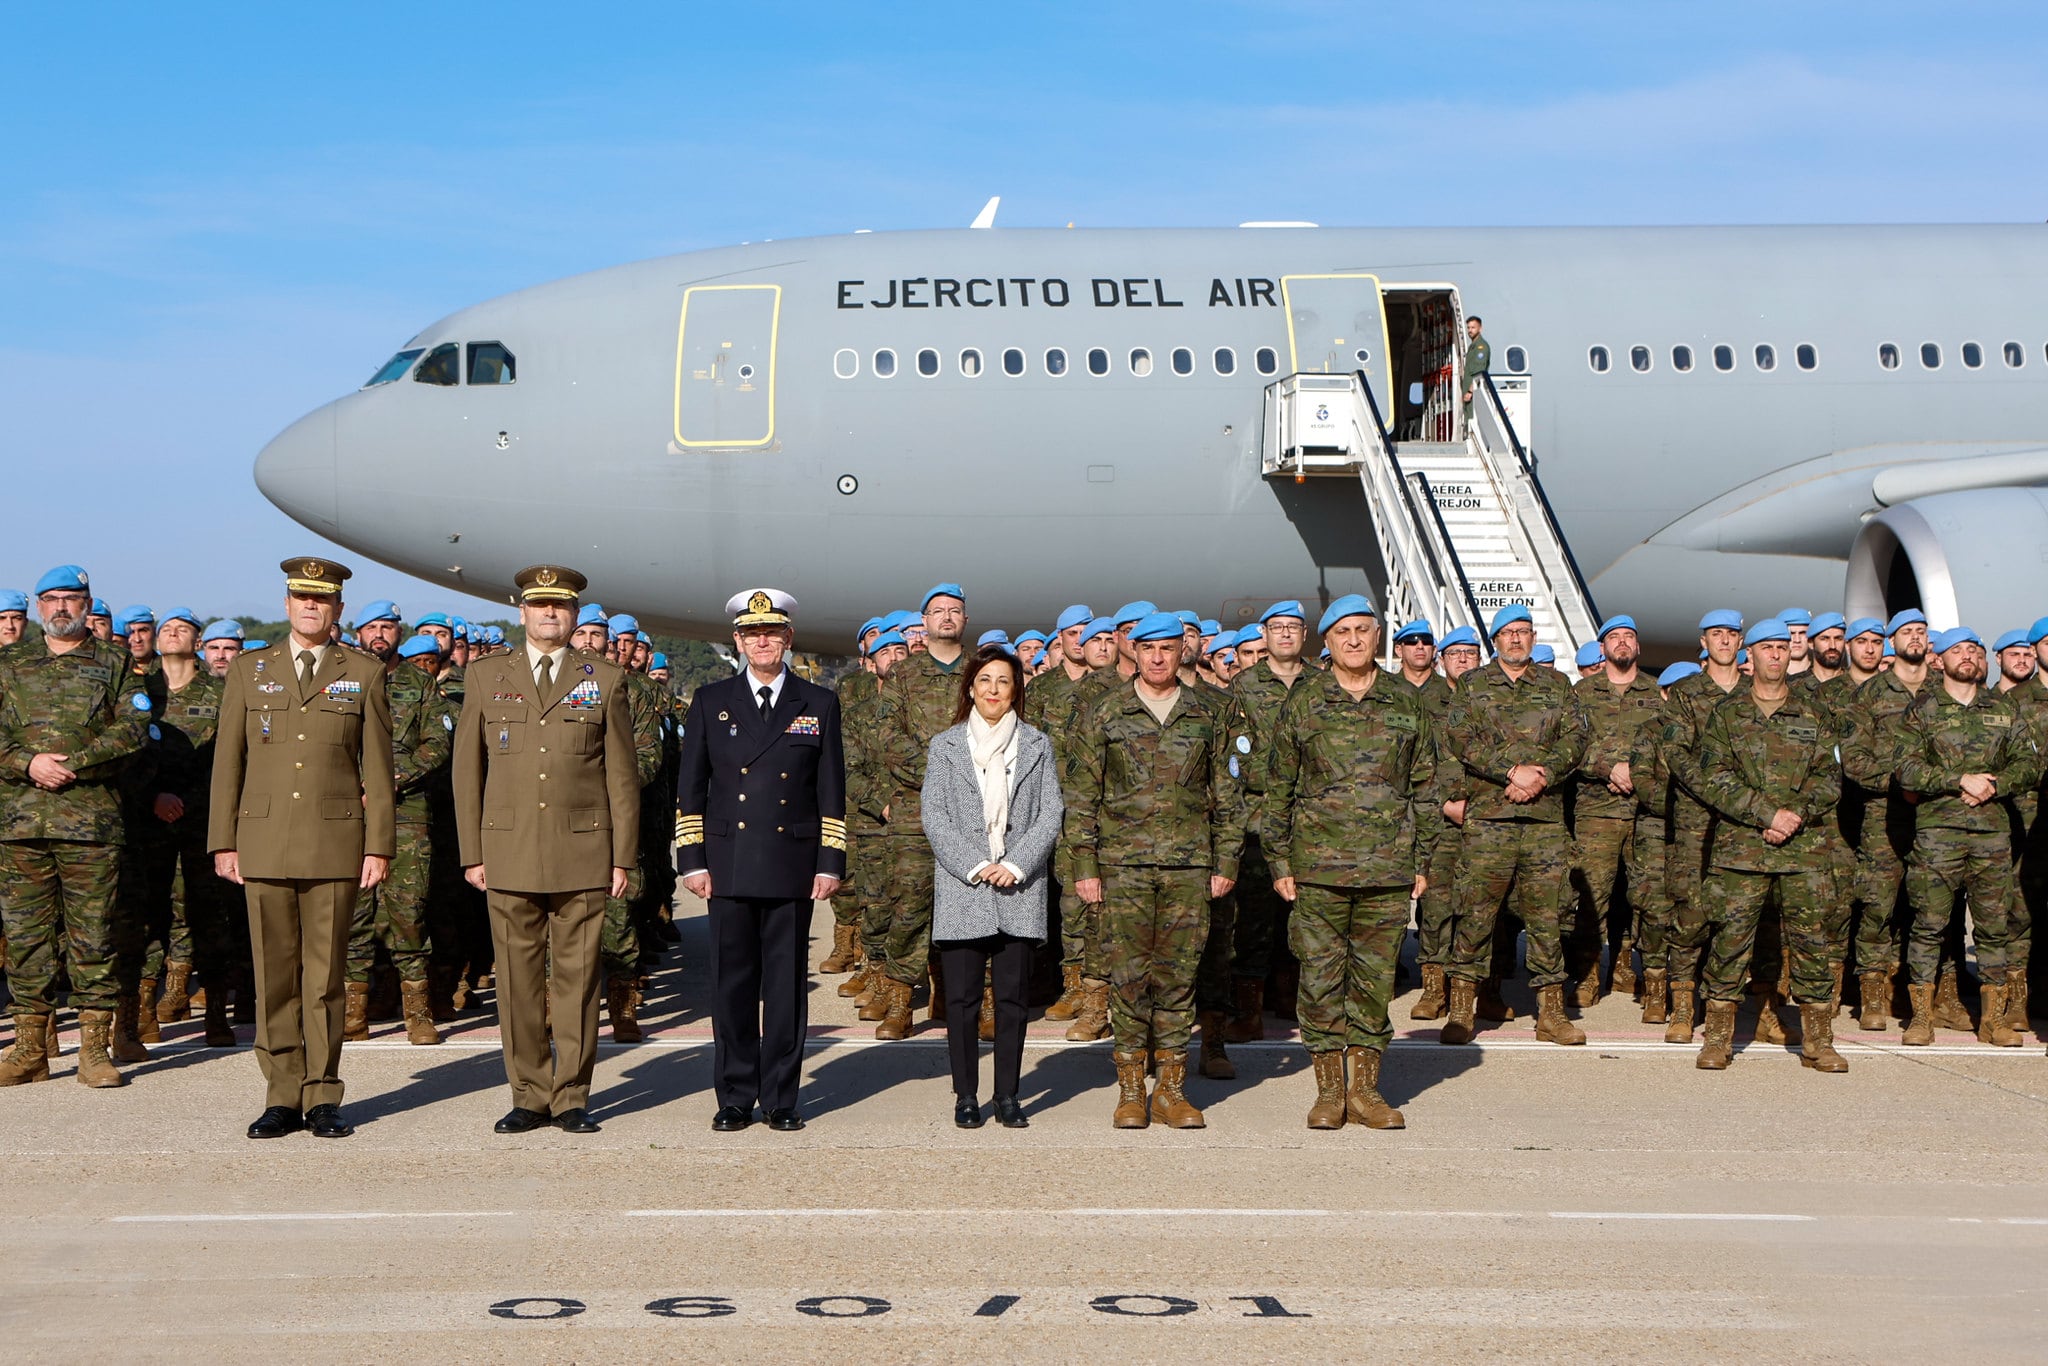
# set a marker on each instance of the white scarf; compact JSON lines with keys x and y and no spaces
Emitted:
{"x":993,"y":749}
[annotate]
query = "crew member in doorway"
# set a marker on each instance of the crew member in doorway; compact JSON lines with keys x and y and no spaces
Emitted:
{"x":1478,"y":356}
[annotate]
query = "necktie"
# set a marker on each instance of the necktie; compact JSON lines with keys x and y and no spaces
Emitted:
{"x":305,"y":671}
{"x":767,"y":695}
{"x":547,"y":673}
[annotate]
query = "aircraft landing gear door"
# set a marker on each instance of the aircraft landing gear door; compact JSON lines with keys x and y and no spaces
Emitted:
{"x":1335,"y":324}
{"x":725,"y":366}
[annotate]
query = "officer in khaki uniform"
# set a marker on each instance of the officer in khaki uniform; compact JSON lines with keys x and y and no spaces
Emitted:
{"x":547,"y":810}
{"x":303,"y":816}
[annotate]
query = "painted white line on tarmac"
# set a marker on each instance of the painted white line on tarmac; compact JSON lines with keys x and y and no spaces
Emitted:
{"x":1709,"y":1218}
{"x":276,"y":1217}
{"x":1593,"y":1047}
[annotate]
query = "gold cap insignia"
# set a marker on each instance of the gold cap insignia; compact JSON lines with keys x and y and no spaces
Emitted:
{"x":545,"y":578}
{"x":760,"y":603}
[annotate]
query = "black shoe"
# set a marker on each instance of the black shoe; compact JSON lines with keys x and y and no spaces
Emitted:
{"x":785,"y":1121}
{"x":967,"y":1112}
{"x":518,"y":1121}
{"x":576,"y":1121}
{"x":1010,"y":1114}
{"x":730,"y":1119}
{"x":276,"y":1122}
{"x":326,"y":1122}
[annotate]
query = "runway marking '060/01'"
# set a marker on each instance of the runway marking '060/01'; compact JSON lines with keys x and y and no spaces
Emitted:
{"x":546,"y":1308}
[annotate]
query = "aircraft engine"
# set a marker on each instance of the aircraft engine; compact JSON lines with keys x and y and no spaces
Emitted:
{"x":1974,"y":558}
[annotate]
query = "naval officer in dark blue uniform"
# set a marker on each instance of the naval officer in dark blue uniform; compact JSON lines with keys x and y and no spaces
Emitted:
{"x":761,"y":835}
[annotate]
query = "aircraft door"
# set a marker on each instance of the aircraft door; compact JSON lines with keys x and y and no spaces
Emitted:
{"x":725,"y":365}
{"x":1337,"y":324}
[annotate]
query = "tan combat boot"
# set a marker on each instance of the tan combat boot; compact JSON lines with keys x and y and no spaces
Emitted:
{"x":1248,"y":1022}
{"x":986,"y":1025}
{"x":176,"y":1004}
{"x":219,"y":1033}
{"x":1130,"y":1090}
{"x":1718,"y":1050}
{"x":2016,"y":1017}
{"x":145,"y":1013}
{"x":843,"y":950}
{"x":1656,"y":984}
{"x":1170,"y":1105}
{"x":618,"y":1002}
{"x":355,"y":1011}
{"x":1552,"y":1026}
{"x":1328,"y":1111}
{"x":29,"y":1059}
{"x":1920,"y":1026}
{"x":1817,"y":1040}
{"x":1586,"y":991}
{"x":895,"y":998}
{"x":1769,"y":1028}
{"x":95,"y":1033}
{"x":1458,"y":1017}
{"x":1836,"y":967}
{"x":125,"y":1045}
{"x":1491,"y":1005}
{"x":419,"y":1016}
{"x":1949,"y":1010}
{"x":1093,"y":1021}
{"x":857,"y":980}
{"x":874,"y":998}
{"x":1071,"y":994}
{"x":1365,"y":1104}
{"x":1431,"y":1004}
{"x":935,"y":1005}
{"x":1623,"y":980}
{"x":1216,"y":1064}
{"x":1992,"y":1027}
{"x":1679,"y":1028}
{"x":1876,"y":988}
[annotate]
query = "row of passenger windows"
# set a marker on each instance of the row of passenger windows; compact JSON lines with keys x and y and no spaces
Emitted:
{"x":1641,"y":359}
{"x":1097,"y":360}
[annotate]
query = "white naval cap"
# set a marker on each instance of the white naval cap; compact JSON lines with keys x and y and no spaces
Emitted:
{"x":761,"y":607}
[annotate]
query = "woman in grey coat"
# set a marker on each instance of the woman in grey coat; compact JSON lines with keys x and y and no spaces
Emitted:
{"x":992,"y":812}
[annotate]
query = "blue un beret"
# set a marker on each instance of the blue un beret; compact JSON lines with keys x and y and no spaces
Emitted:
{"x":2009,"y":640}
{"x":1157,"y":626}
{"x":1770,"y":628}
{"x":1101,"y":626}
{"x":255,"y":644}
{"x":1132,"y":611}
{"x":1725,"y":618}
{"x":65,"y":577}
{"x":871,"y":624}
{"x":13,"y":600}
{"x":1080,"y":614}
{"x":1225,"y":640}
{"x":179,"y":614}
{"x":624,"y":624}
{"x":1289,"y":608}
{"x":1188,"y":618}
{"x":220,"y":630}
{"x":99,"y":608}
{"x":995,"y":637}
{"x":1826,"y":621}
{"x":1590,"y":654}
{"x":136,"y":614}
{"x":1038,"y":636}
{"x":657,"y":660}
{"x":1903,"y":619}
{"x":1250,"y":631}
{"x":892,"y":636}
{"x":1209,"y":626}
{"x":1507,"y":616}
{"x":1458,"y":635}
{"x":1350,"y":605}
{"x":1944,"y":641}
{"x":419,"y":645}
{"x":1796,"y":616}
{"x":1863,"y":626}
{"x":1684,"y":668}
{"x":1622,"y":622}
{"x":1542,"y":654}
{"x":383,"y":609}
{"x":1418,"y":629}
{"x":439,"y":619}
{"x":2038,"y":632}
{"x":943,"y":590}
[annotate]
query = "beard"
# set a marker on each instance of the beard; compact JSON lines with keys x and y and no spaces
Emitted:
{"x":1918,"y":656}
{"x":1830,"y":658}
{"x":1623,"y":657}
{"x":64,"y":626}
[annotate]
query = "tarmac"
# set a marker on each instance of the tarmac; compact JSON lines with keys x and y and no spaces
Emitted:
{"x":1600,"y":1203}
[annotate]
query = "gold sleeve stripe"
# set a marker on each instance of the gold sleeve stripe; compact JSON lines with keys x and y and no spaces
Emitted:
{"x":832,"y":841}
{"x":832,"y":826}
{"x":690,"y":839}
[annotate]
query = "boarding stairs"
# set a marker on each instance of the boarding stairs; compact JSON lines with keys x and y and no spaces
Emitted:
{"x":1462,"y":527}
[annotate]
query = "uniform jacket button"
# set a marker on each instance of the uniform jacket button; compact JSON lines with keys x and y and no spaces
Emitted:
{"x":743,"y":825}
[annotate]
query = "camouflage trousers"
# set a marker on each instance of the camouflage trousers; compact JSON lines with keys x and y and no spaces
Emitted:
{"x":908,"y":876}
{"x":1347,"y":939}
{"x":172,"y":906}
{"x":618,"y":939}
{"x":1719,"y":924}
{"x":1436,"y":914}
{"x":1603,"y":850}
{"x":1524,"y":866}
{"x":1214,"y":989}
{"x":1155,"y":922}
{"x":1946,"y":865}
{"x":1261,"y":932}
{"x":394,"y":912}
{"x":57,"y":901}
{"x":1880,"y":880}
{"x":865,"y":889}
{"x":1646,"y":890}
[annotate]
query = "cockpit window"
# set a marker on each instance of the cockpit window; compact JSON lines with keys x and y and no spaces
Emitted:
{"x":394,"y":368}
{"x":491,"y":363}
{"x":440,"y":366}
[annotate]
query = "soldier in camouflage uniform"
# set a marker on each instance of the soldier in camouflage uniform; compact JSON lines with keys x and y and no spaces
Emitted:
{"x":1256,"y":694}
{"x":857,"y":692}
{"x":1965,"y":755}
{"x":71,"y":715}
{"x":1348,"y":785}
{"x":923,"y":693}
{"x":1049,"y":704}
{"x":1622,"y":711}
{"x":621,"y":942}
{"x":1155,"y":822}
{"x":1686,"y":816}
{"x":142,"y":926}
{"x":1103,"y":650}
{"x":394,"y":913}
{"x":1766,"y":766}
{"x":868,"y":801}
{"x":1518,"y":732}
{"x":1415,"y":649}
{"x":2023,"y":683}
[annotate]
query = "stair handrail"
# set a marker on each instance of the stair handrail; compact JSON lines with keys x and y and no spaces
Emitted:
{"x":1498,"y":414}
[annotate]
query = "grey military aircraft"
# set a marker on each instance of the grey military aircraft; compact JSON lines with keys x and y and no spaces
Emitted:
{"x":1761,"y":417}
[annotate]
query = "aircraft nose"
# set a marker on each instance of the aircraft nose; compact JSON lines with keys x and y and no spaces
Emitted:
{"x":296,"y":471}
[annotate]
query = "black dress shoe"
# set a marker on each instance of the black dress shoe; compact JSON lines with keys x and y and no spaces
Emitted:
{"x":1010,"y":1114}
{"x":276,"y":1122}
{"x":518,"y":1121}
{"x":967,"y":1112}
{"x":785,"y":1121}
{"x":576,"y":1121}
{"x":326,"y":1122}
{"x":730,"y":1119}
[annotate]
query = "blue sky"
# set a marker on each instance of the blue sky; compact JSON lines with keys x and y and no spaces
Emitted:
{"x":213,"y":218}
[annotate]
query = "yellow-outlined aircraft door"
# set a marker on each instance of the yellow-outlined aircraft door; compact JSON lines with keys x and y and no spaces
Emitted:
{"x":725,"y":365}
{"x":1331,"y":319}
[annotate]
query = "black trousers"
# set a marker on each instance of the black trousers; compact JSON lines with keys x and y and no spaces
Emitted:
{"x":1006,"y":960}
{"x":760,"y":1002}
